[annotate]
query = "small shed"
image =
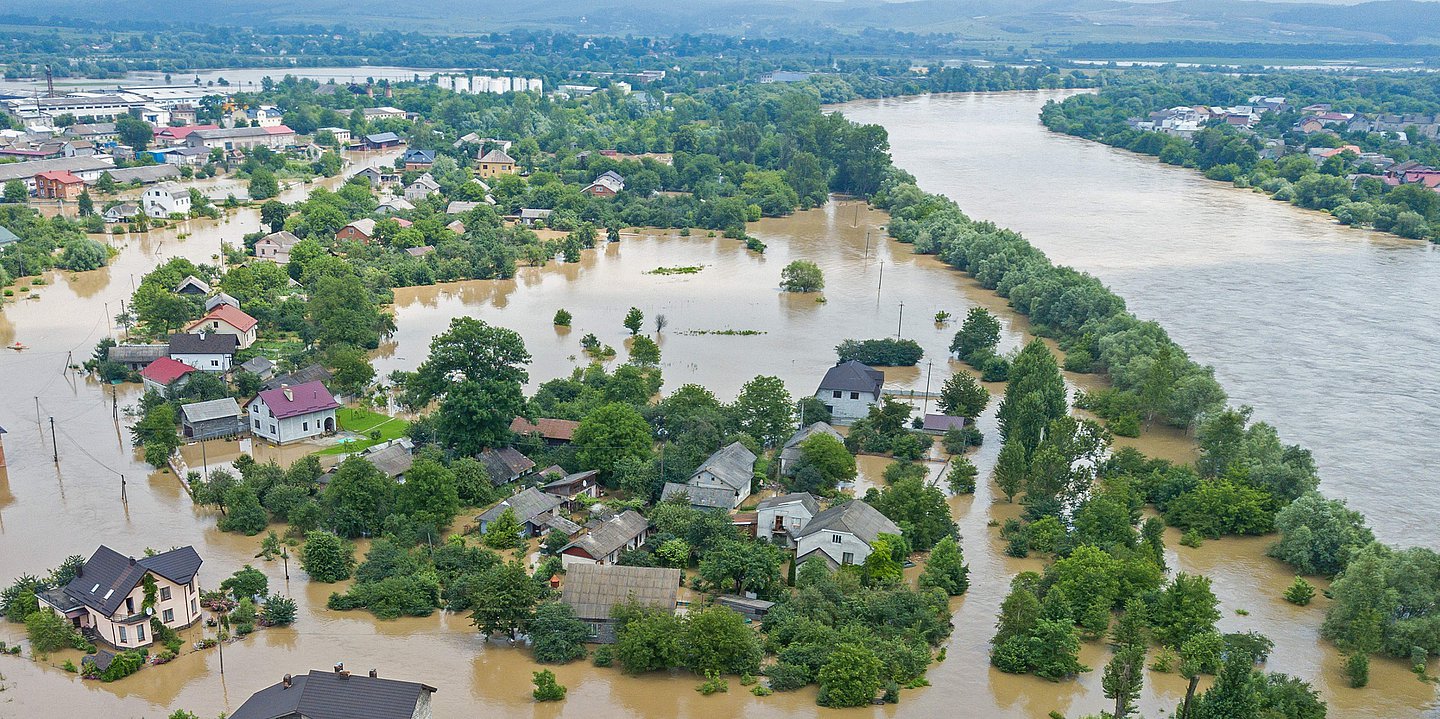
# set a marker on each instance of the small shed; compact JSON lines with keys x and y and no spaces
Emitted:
{"x":137,"y":357}
{"x":752,"y":609}
{"x":942,"y":423}
{"x":209,"y":420}
{"x":261,"y":367}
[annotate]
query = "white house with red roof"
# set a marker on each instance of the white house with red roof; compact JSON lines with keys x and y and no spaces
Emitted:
{"x":161,"y":374}
{"x":225,"y":319}
{"x":289,"y":414}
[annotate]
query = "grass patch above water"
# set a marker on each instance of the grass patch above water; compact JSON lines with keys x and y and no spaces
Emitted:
{"x":366,"y":422}
{"x":683,"y":270}
{"x":740,"y":333}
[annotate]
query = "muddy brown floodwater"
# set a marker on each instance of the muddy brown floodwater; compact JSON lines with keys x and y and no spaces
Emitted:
{"x":47,"y":512}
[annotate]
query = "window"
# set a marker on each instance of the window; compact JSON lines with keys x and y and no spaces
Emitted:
{"x":272,"y":429}
{"x":835,"y":539}
{"x":123,"y":637}
{"x":593,"y":628}
{"x":139,"y":632}
{"x":847,"y":558}
{"x":168,"y":616}
{"x":854,"y":395}
{"x":836,"y":394}
{"x":305,"y":426}
{"x":193,"y":609}
{"x":214,"y":363}
{"x":257,"y":424}
{"x":164,"y":594}
{"x":129,"y":605}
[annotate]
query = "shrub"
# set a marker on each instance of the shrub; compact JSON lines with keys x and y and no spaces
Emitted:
{"x":1357,"y":670}
{"x":786,"y":677}
{"x":1300,"y":592}
{"x":887,"y":352}
{"x":562,"y":318}
{"x":962,"y":476}
{"x":604,"y":656}
{"x":546,"y":689}
{"x":713,"y":684}
{"x":802,"y":276}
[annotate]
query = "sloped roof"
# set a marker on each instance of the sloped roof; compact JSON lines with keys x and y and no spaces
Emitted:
{"x":165,"y":370}
{"x":855,"y":517}
{"x":382,"y":137}
{"x":7,"y":237}
{"x":611,"y":535}
{"x":213,"y":409}
{"x":193,"y":281}
{"x":942,"y":422}
{"x":733,"y":464}
{"x":499,"y":156}
{"x":593,"y":590}
{"x":328,"y":695}
{"x":804,"y":433}
{"x":527,"y":504}
{"x":557,"y":429}
{"x":705,"y":497}
{"x":565,"y":484}
{"x":221,"y":299}
{"x":853,"y":376}
{"x":505,"y":464}
{"x":229,"y":314}
{"x":283,"y":238}
{"x":365,"y":225}
{"x":304,"y":375}
{"x":804,"y":498}
{"x":392,"y":458}
{"x":258,"y":365}
{"x":297,"y":400}
{"x":562,"y":524}
{"x":138,"y":353}
{"x":413,"y":155}
{"x":108,"y":576}
{"x":207,"y":343}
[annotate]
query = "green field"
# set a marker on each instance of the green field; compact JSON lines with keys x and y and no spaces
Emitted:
{"x":365,"y":422}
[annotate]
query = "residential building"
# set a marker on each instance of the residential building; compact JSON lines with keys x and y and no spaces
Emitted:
{"x":136,"y":357}
{"x":572,"y":487}
{"x":205,"y":351}
{"x":393,"y":458}
{"x":220,"y":299}
{"x":360,"y":230}
{"x":531,"y":217}
{"x":7,"y":237}
{"x":168,"y":136}
{"x":184,"y":114}
{"x":242,"y":138}
{"x":338,"y":695}
{"x":731,"y":469}
{"x":225,"y":319}
{"x":708,"y":498}
{"x":780,"y":518}
{"x":594,"y":590}
{"x":603,"y":544}
{"x":383,"y":113}
{"x":418,"y":159}
{"x":850,"y":389}
{"x":505,"y":465}
{"x":941,"y":423}
{"x":192,"y":285}
{"x":145,"y":175}
{"x":608,"y":184}
{"x":58,"y":185}
{"x":752,"y":609}
{"x":85,"y":168}
{"x":123,"y":212}
{"x":341,"y":134}
{"x":166,"y":199}
{"x":532,"y":507}
{"x":304,"y":375}
{"x":192,"y":156}
{"x":381,"y":140}
{"x":790,"y":452}
{"x":394,"y":206}
{"x":212,"y":419}
{"x":288,"y":414}
{"x":422,"y":187}
{"x":842,"y":534}
{"x":496,"y":162}
{"x":261,"y":367}
{"x":553,"y":431}
{"x":163,"y":373}
{"x":276,"y":246}
{"x":99,"y":132}
{"x":106,"y":599}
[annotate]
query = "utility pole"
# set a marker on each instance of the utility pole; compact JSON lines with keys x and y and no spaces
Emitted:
{"x":900,"y":321}
{"x":867,"y":243}
{"x":37,"y":411}
{"x":925,"y":403}
{"x":881,"y":283}
{"x":114,"y":404}
{"x":55,"y":448}
{"x":285,"y":557}
{"x":123,"y":498}
{"x":204,"y":461}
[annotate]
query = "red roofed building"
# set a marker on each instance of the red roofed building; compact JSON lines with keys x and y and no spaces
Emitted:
{"x":227,"y":320}
{"x":58,"y":185}
{"x":177,"y":135}
{"x":287,"y":414}
{"x":553,"y":431}
{"x":164,"y":372}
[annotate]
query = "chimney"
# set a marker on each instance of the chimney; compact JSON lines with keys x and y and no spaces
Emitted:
{"x":289,"y":396}
{"x":374,"y":674}
{"x":132,"y":561}
{"x":80,"y":571}
{"x":339,"y":667}
{"x":287,"y":682}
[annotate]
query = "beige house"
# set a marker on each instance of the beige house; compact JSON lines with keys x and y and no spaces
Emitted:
{"x":496,"y":162}
{"x":225,"y":319}
{"x":107,"y":598}
{"x":275,"y":247}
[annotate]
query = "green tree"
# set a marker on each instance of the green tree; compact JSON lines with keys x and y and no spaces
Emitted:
{"x":882,"y":567}
{"x":556,"y":636}
{"x":504,"y":599}
{"x":764,"y":410}
{"x":326,"y":557}
{"x":1011,"y":469}
{"x":49,"y":632}
{"x":546,"y":688}
{"x":246,"y":583}
{"x":634,"y":320}
{"x":649,"y":641}
{"x":717,"y":640}
{"x":15,"y":192}
{"x":962,"y":396}
{"x":1318,"y":535}
{"x":134,"y":132}
{"x":263,"y":184}
{"x":475,"y":415}
{"x":742,"y":566}
{"x":244,"y":514}
{"x":802,"y":276}
{"x":469,"y":350}
{"x":350,"y":367}
{"x":945,"y":568}
{"x":342,"y":311}
{"x":86,"y":205}
{"x":1124,"y":677}
{"x":1184,"y":609}
{"x":280,"y":610}
{"x":1300,"y":592}
{"x":1200,"y":654}
{"x":273,"y":214}
{"x":919,"y":509}
{"x":644,"y":351}
{"x":429,"y":494}
{"x":609,"y":434}
{"x":472,"y":482}
{"x":1034,"y":397}
{"x":977,"y":336}
{"x":83,"y":254}
{"x":1233,"y":693}
{"x":562,"y":318}
{"x":503,"y":532}
{"x":358,"y":498}
{"x":829,"y":457}
{"x":850,"y":677}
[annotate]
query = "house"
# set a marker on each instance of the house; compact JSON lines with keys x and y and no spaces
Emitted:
{"x":531,"y":217}
{"x":850,"y":389}
{"x":460,"y":207}
{"x":420,"y":251}
{"x":394,"y":206}
{"x":306,"y":374}
{"x":276,"y":246}
{"x":338,"y":695}
{"x":85,"y":168}
{"x":571,"y":487}
{"x":101,"y":132}
{"x":780,"y":518}
{"x":341,"y":134}
{"x":106,"y":599}
{"x":603,"y":544}
{"x":732,"y":469}
{"x":288,"y":414}
{"x":531,"y":506}
{"x":242,"y":138}
{"x":123,"y":212}
{"x":360,"y":230}
{"x":553,"y":431}
{"x":496,"y":162}
{"x":145,"y":175}
{"x":394,"y":458}
{"x":204,"y":350}
{"x":184,"y":114}
{"x":165,"y":199}
{"x":192,"y":156}
{"x":383,"y":113}
{"x":261,"y":367}
{"x":178,"y":135}
{"x":842,"y":534}
{"x":941,"y":423}
{"x":7,"y":237}
{"x":790,"y":452}
{"x":594,"y":590}
{"x":221,"y":299}
{"x":422,"y":187}
{"x":208,"y":420}
{"x":710,"y":498}
{"x":163,"y":373}
{"x":192,"y":285}
{"x":226,"y":319}
{"x":377,"y":178}
{"x":382,"y":140}
{"x":136,"y":357}
{"x":58,"y":185}
{"x":505,"y":465}
{"x":608,"y":184}
{"x":418,"y":159}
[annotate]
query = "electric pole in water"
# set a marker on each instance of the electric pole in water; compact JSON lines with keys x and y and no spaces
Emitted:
{"x":900,"y":321}
{"x":54,"y":448}
{"x":925,"y":403}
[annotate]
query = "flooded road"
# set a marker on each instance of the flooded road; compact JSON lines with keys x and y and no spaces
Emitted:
{"x":47,"y":513}
{"x":1329,"y":332}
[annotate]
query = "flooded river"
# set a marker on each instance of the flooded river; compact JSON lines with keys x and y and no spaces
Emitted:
{"x":47,"y":512}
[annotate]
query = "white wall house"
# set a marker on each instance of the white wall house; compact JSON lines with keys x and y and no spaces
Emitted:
{"x":224,"y":319}
{"x":204,"y":351}
{"x":850,"y":389}
{"x":780,"y":518}
{"x":289,"y":414}
{"x":165,"y":199}
{"x":842,"y":534}
{"x":730,"y":469}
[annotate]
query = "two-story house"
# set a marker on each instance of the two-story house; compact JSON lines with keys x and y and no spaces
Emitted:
{"x":496,"y":162}
{"x":275,"y":247}
{"x":165,"y":199}
{"x":224,"y":319}
{"x":790,"y":453}
{"x":780,"y":518}
{"x":335,"y":694}
{"x":850,"y":389}
{"x":604,"y":543}
{"x":842,"y":534}
{"x":288,"y":414}
{"x":108,"y":598}
{"x":205,"y":350}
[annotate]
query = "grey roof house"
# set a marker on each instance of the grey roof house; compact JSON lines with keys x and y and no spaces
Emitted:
{"x":699,"y":497}
{"x":338,"y":695}
{"x":850,"y":389}
{"x":790,"y":452}
{"x":136,"y":357}
{"x":304,"y":375}
{"x":261,"y":367}
{"x":603,"y":545}
{"x":731,"y":469}
{"x":842,"y":534}
{"x":531,"y":506}
{"x":212,"y":419}
{"x":780,"y":518}
{"x":505,"y":465}
{"x":593,"y":590}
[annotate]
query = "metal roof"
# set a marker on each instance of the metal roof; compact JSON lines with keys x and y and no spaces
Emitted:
{"x":855,"y":517}
{"x":853,"y":376}
{"x":704,"y":497}
{"x":331,"y":695}
{"x":805,"y":498}
{"x":527,"y":504}
{"x":611,"y":535}
{"x":732,"y":465}
{"x":214,"y":409}
{"x":593,"y":590}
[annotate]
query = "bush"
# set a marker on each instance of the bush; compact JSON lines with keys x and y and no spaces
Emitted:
{"x":888,"y":352}
{"x":962,"y":476}
{"x":1300,"y":592}
{"x":958,"y":440}
{"x":786,"y":677}
{"x":546,"y":689}
{"x":604,"y":656}
{"x":1357,"y":670}
{"x":713,"y":684}
{"x":123,"y":665}
{"x":562,"y":318}
{"x":802,"y":276}
{"x":326,"y":557}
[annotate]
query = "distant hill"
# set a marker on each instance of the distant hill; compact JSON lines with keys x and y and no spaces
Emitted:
{"x":1056,"y":22}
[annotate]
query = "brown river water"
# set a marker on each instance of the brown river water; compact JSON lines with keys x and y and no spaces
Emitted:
{"x":47,"y":512}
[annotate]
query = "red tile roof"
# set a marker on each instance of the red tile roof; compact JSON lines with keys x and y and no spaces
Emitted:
{"x":300,"y":399}
{"x":557,"y":429}
{"x":165,"y":370}
{"x":233,"y":316}
{"x":61,"y":176}
{"x":181,"y":133}
{"x":278,"y":130}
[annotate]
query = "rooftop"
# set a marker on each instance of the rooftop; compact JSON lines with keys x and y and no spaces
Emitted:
{"x":203,"y":343}
{"x":213,"y":409}
{"x":855,"y":517}
{"x":611,"y":535}
{"x":228,"y":314}
{"x":164,"y":370}
{"x":557,"y":429}
{"x":853,"y":376}
{"x":335,"y":695}
{"x":527,"y":504}
{"x":593,"y":590}
{"x":301,"y":399}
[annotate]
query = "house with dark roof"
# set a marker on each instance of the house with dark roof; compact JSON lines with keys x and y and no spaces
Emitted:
{"x":842,"y":534}
{"x":192,"y":285}
{"x":505,"y":465}
{"x":731,"y":469}
{"x":394,"y":458}
{"x":604,"y":543}
{"x":261,"y":367}
{"x":106,"y":599}
{"x":381,"y":140}
{"x":289,"y":414}
{"x":593,"y":591}
{"x":780,"y":518}
{"x":699,"y":497}
{"x":850,"y":389}
{"x":790,"y":452}
{"x":553,"y":431}
{"x":136,"y":357}
{"x":418,"y":159}
{"x":571,"y":487}
{"x":212,"y":419}
{"x":531,"y":506}
{"x":306,"y":374}
{"x":227,"y":319}
{"x":338,"y":694}
{"x":205,"y":351}
{"x":164,"y":373}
